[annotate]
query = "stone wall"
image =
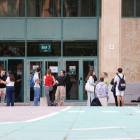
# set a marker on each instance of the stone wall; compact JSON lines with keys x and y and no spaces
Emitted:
{"x":110,"y":35}
{"x":130,"y":48}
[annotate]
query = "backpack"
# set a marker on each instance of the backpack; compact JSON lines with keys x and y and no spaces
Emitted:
{"x":96,"y":102}
{"x":32,"y":83}
{"x":122,"y":84}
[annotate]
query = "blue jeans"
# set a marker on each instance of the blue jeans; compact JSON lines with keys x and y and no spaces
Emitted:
{"x":10,"y":95}
{"x":36,"y":95}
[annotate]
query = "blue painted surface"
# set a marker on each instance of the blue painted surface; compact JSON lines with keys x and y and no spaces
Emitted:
{"x":60,"y":126}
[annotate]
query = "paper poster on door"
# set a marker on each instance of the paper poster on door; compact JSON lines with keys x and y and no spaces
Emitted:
{"x":54,"y":69}
{"x":72,"y":70}
{"x":35,"y":67}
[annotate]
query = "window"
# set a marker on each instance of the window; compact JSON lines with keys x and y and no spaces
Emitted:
{"x":12,"y":48}
{"x":33,"y":48}
{"x":43,"y":8}
{"x":79,"y":8}
{"x":80,"y":48}
{"x":128,"y":8}
{"x":138,"y":8}
{"x":12,"y":8}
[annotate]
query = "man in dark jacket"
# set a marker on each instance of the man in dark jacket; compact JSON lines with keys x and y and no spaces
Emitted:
{"x":61,"y":82}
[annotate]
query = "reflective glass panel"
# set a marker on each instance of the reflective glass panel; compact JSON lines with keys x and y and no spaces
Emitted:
{"x":72,"y":86}
{"x":138,"y":8}
{"x":79,"y":8}
{"x":1,"y":65}
{"x":87,"y":66}
{"x":12,"y":48}
{"x":12,"y":8}
{"x":80,"y":48}
{"x":43,"y":8}
{"x":17,"y":67}
{"x":33,"y":48}
{"x":128,"y":8}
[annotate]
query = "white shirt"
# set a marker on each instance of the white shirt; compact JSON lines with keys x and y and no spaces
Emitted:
{"x":9,"y":83}
{"x":117,"y":79}
{"x":36,"y":76}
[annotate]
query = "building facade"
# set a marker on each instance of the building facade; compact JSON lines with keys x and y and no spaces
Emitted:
{"x":74,"y":35}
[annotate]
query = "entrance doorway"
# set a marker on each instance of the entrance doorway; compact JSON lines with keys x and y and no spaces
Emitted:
{"x":78,"y":70}
{"x":17,"y":67}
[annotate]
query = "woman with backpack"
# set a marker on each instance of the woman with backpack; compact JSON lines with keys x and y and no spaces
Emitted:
{"x":49,"y":82}
{"x":90,"y":86}
{"x":10,"y":81}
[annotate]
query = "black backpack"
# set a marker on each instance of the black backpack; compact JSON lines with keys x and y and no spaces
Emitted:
{"x":122,"y":84}
{"x":96,"y":102}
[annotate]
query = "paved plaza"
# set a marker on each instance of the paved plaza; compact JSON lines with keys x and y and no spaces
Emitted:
{"x":69,"y":123}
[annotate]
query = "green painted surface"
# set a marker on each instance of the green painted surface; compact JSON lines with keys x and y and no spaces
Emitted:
{"x":45,"y":47}
{"x":91,"y":124}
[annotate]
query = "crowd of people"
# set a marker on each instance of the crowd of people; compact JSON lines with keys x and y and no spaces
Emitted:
{"x":94,"y":88}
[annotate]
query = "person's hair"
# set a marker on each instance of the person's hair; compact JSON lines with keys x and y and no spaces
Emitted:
{"x":49,"y":73}
{"x":120,"y":70}
{"x":63,"y":71}
{"x":105,"y":73}
{"x":90,"y":73}
{"x":12,"y":78}
{"x":38,"y":69}
{"x":101,"y":79}
{"x":2,"y":70}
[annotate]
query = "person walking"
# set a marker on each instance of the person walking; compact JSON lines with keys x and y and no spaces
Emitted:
{"x":106,"y":80}
{"x":36,"y":86}
{"x":49,"y":82}
{"x":10,"y":81}
{"x":90,"y":81}
{"x":61,"y":81}
{"x":2,"y":86}
{"x":120,"y":87}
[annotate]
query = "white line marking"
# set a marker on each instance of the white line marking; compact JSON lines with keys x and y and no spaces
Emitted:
{"x":76,"y":111}
{"x":111,"y":139}
{"x":33,"y":120}
{"x":132,"y":108}
{"x":97,"y":128}
{"x":66,"y":108}
{"x":110,"y":111}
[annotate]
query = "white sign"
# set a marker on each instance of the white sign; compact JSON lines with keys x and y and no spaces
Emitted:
{"x":35,"y":66}
{"x":111,"y":47}
{"x":54,"y":69}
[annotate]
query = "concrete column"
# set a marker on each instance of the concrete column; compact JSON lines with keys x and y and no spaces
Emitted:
{"x":110,"y":35}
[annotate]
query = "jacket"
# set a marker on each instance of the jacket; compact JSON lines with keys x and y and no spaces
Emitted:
{"x":101,"y":90}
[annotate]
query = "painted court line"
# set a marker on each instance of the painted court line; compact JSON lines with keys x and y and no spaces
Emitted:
{"x":111,"y":139}
{"x":78,"y":129}
{"x":110,"y":111}
{"x":66,"y":108}
{"x":33,"y":120}
{"x":76,"y":111}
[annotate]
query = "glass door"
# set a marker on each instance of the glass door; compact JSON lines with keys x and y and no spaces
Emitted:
{"x":33,"y":66}
{"x":87,"y":66}
{"x":78,"y":70}
{"x":73,"y":83}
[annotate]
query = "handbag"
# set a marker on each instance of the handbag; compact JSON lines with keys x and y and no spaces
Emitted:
{"x":89,"y":87}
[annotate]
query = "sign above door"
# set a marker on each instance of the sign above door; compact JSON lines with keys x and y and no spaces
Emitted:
{"x":45,"y":47}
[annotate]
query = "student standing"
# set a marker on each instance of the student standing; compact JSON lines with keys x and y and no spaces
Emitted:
{"x":120,"y":90}
{"x":49,"y":82}
{"x":102,"y":89}
{"x":36,"y":86}
{"x":113,"y":89}
{"x":61,"y":81}
{"x":10,"y":81}
{"x":2,"y":86}
{"x":90,"y":79}
{"x":106,"y":80}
